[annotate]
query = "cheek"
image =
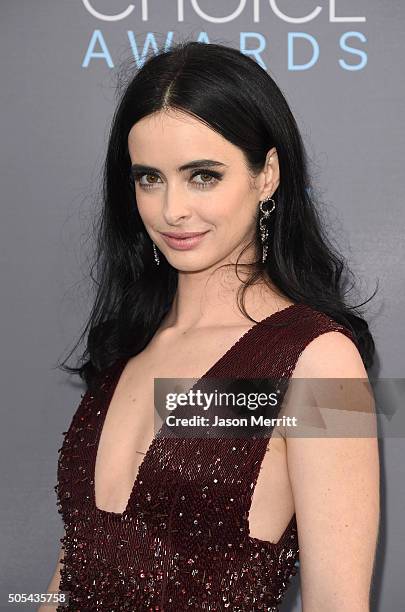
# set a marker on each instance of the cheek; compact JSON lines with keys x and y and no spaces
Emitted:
{"x":237,"y":209}
{"x":148,"y":207}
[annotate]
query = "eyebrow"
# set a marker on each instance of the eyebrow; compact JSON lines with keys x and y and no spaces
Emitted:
{"x":197,"y":163}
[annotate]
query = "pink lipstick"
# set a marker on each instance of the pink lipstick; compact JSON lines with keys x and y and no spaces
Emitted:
{"x":182,"y":241}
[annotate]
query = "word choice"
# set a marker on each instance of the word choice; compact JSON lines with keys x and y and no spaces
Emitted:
{"x":251,"y":8}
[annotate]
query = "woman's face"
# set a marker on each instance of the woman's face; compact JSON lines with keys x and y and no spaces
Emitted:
{"x":218,"y":198}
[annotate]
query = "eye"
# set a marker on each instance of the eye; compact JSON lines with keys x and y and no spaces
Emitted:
{"x":137,"y":176}
{"x":209,"y":179}
{"x":212,"y":176}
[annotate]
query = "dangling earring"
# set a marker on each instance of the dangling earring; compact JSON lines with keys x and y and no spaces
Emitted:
{"x":264,"y":230}
{"x":155,"y":253}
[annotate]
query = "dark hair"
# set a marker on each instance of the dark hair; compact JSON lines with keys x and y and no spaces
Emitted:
{"x":232,"y":94}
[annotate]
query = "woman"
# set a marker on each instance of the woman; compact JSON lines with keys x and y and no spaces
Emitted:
{"x":207,"y":200}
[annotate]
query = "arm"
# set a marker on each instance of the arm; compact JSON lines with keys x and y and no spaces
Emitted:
{"x":54,"y":584}
{"x":335,"y":483}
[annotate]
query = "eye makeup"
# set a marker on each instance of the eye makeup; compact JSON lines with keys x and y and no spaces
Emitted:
{"x":213,"y":175}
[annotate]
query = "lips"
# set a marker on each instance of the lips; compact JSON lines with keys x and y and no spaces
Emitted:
{"x":182,"y":235}
{"x":183,"y":241}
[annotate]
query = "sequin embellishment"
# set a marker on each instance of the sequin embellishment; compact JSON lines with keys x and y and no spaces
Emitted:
{"x":183,"y":541}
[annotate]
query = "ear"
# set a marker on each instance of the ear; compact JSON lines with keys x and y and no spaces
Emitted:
{"x":271,"y":173}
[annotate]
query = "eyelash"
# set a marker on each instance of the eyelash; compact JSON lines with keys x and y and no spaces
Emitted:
{"x":205,"y":185}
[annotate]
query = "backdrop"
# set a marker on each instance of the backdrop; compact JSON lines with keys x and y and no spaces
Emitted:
{"x":337,"y":62}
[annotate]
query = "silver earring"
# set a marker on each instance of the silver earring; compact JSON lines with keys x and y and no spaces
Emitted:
{"x":155,"y":253}
{"x":264,"y":230}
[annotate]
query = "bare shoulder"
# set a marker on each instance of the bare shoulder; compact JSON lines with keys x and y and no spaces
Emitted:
{"x":335,"y":483}
{"x":330,"y":355}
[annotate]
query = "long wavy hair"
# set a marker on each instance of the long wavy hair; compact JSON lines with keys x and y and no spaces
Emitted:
{"x":233,"y":95}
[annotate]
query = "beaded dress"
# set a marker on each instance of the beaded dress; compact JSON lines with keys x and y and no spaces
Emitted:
{"x":182,"y":542}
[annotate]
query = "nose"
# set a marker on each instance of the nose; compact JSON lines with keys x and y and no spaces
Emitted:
{"x":176,"y":205}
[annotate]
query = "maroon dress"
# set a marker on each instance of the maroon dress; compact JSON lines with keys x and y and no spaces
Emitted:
{"x":182,"y":542}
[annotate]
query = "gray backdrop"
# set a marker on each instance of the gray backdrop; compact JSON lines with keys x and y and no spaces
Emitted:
{"x":59,"y":62}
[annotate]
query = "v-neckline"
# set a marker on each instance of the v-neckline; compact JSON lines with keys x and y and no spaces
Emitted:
{"x":111,"y":390}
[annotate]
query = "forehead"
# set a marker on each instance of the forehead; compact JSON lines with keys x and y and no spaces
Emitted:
{"x":172,"y":136}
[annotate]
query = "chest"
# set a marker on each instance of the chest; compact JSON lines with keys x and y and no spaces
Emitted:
{"x":181,"y":359}
{"x":127,"y":420}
